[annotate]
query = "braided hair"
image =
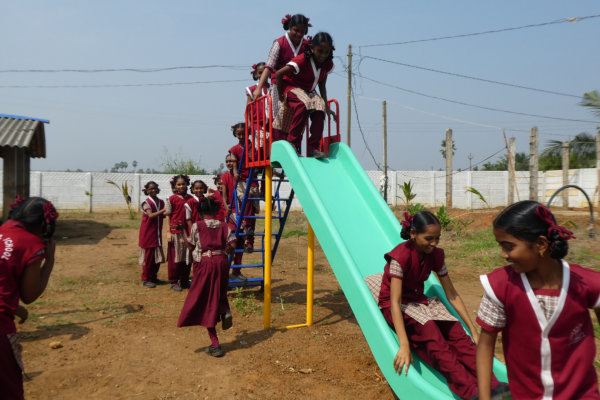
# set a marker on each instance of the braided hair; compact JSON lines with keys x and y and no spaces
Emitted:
{"x":35,"y":212}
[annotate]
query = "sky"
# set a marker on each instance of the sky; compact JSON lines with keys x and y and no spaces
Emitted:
{"x":96,"y":120}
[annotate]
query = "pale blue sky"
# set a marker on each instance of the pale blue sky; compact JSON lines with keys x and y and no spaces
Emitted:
{"x":92,"y":128}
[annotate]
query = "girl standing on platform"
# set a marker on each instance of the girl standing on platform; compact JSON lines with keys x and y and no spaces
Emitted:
{"x":199,"y":188}
{"x":27,"y":250}
{"x":259,"y":118}
{"x":421,"y":323}
{"x":150,"y":238}
{"x":541,"y":305}
{"x":228,"y":186}
{"x":296,"y":84}
{"x":177,"y":254}
{"x":283,"y":50}
{"x":210,"y":241}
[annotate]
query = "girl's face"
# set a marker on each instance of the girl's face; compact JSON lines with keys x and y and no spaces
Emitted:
{"x":321,"y":52}
{"x":181,"y":186}
{"x":259,"y":70}
{"x":230,"y":162}
{"x":219,"y":185}
{"x":296,"y":34}
{"x":523,"y":255}
{"x":239,"y":133}
{"x":427,"y":240}
{"x":152,"y":190}
{"x":198,"y":189}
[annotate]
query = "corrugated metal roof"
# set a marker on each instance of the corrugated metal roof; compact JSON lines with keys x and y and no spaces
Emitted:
{"x":23,"y":132}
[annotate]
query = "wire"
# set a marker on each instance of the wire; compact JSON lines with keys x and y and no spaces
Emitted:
{"x":117,"y":85}
{"x":144,"y":70}
{"x":475,"y":105}
{"x":471,"y":77}
{"x":559,"y":21}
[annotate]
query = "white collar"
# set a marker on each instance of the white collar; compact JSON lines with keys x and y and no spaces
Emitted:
{"x":295,"y":49}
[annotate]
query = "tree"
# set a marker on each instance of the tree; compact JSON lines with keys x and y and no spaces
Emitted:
{"x":180,"y":164}
{"x":119,"y":166}
{"x":521,"y":163}
{"x":218,"y":171}
{"x":582,"y":153}
{"x":134,"y":164}
{"x":591,"y":100}
{"x":443,"y":150}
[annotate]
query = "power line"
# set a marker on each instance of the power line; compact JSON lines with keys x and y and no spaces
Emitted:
{"x":143,"y":70}
{"x":558,"y":21}
{"x":475,"y":105}
{"x":118,"y":85}
{"x":471,"y":77}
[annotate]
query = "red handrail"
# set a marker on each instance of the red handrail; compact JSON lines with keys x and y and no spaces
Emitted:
{"x":260,"y":129}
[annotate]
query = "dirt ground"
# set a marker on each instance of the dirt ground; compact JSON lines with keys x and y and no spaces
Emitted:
{"x":117,"y":339}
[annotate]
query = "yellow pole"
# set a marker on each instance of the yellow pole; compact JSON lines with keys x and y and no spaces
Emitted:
{"x":267,"y":245}
{"x":310,"y":268}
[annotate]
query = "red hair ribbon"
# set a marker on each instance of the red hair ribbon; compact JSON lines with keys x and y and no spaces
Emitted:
{"x":216,"y":178}
{"x":50,"y":213}
{"x":285,"y":19}
{"x":253,"y":70}
{"x":18,"y":200}
{"x":545,"y":215}
{"x":308,"y":23}
{"x":408,"y":221}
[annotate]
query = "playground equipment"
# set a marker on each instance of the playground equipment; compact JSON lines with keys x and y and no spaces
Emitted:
{"x":355,"y":228}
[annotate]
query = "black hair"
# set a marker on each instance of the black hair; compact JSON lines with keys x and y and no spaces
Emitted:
{"x":321,"y":37}
{"x":237,"y":126}
{"x":521,"y":221}
{"x":255,"y":72}
{"x":198,"y":181}
{"x":147,"y":185}
{"x":30,"y":212}
{"x":208,"y":206}
{"x":420,"y":221}
{"x":178,"y":177}
{"x":297,"y":19}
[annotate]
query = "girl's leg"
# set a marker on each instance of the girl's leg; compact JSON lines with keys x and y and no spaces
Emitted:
{"x":11,"y":377}
{"x":172,"y":271}
{"x":147,"y":267}
{"x":428,"y":343}
{"x":184,"y":274}
{"x":298,"y":123}
{"x":212,"y":334}
{"x":317,"y":122}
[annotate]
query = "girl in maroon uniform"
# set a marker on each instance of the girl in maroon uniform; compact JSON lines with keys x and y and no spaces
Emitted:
{"x":283,"y":50}
{"x":228,"y":185}
{"x":541,"y":305}
{"x":26,"y":261}
{"x":296,"y":84}
{"x":150,"y":238}
{"x":177,"y":254}
{"x":199,"y":188}
{"x":206,"y":303}
{"x":421,"y":323}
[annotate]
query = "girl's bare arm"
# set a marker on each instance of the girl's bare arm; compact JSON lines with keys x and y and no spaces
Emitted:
{"x":485,"y":357}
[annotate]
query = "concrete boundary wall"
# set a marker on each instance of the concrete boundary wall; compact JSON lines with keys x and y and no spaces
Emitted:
{"x":71,"y":190}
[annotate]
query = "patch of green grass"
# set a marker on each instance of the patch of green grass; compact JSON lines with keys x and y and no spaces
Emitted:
{"x":338,"y":292}
{"x":69,"y":281}
{"x":479,"y":240}
{"x":296,"y":232}
{"x":245,"y":302}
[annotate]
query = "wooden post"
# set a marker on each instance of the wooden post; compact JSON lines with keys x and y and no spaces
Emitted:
{"x":15,"y":176}
{"x":512,"y":182}
{"x":449,"y":168}
{"x":534,"y":165}
{"x":511,"y":171}
{"x":565,"y":173}
{"x":385,"y":171}
{"x":349,"y":112}
{"x":598,"y":166}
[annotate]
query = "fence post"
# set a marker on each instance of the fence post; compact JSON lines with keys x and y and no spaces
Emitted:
{"x":533,"y":164}
{"x":598,"y":166}
{"x":138,"y":190}
{"x":432,"y":188}
{"x":91,"y":195}
{"x":449,"y":154}
{"x":511,"y":165}
{"x":469,"y":194}
{"x":565,"y":173}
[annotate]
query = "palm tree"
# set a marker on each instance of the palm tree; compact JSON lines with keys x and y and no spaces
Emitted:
{"x":582,"y":153}
{"x":591,"y":100}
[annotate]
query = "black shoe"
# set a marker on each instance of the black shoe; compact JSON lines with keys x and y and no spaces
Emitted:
{"x":226,"y":320}
{"x":248,"y":248}
{"x":185,"y":284}
{"x":148,"y":284}
{"x":176,"y":287}
{"x":317,"y":154}
{"x":500,"y":391}
{"x":159,"y":282}
{"x":238,"y":277}
{"x":214,"y":351}
{"x":248,"y":231}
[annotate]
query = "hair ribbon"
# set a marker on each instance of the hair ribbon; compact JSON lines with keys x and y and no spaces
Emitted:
{"x":545,"y":215}
{"x":408,"y":221}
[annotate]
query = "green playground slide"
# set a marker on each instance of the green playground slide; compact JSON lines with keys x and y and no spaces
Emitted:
{"x":355,"y":228}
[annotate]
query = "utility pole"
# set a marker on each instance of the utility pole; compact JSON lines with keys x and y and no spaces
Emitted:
{"x":449,"y":155}
{"x":349,"y":113}
{"x":598,"y":164}
{"x":534,"y":164}
{"x":565,"y":173}
{"x":470,"y":160}
{"x":385,"y":174}
{"x":511,"y":167}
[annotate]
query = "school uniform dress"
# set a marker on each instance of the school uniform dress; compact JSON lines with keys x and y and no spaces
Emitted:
{"x":229,"y":182}
{"x":434,"y":334}
{"x":177,"y":253}
{"x":150,"y":239}
{"x":282,"y":51}
{"x":191,"y":209}
{"x":207,"y":298}
{"x":18,"y":248}
{"x":547,"y":336}
{"x":303,"y":101}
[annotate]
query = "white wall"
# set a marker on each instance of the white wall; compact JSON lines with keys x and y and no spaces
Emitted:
{"x":67,"y":190}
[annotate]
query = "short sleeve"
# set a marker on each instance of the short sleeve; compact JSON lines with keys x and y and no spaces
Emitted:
{"x":331,"y":67}
{"x":592,"y":280}
{"x":396,"y":269}
{"x":40,"y":254}
{"x":491,"y":316}
{"x":188,"y":212}
{"x":273,"y":56}
{"x":294,"y":66}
